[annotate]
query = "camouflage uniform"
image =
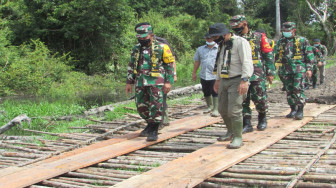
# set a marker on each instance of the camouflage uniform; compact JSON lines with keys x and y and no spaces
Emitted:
{"x":295,"y":56}
{"x":149,"y":69}
{"x":317,"y":58}
{"x":262,"y":55}
{"x":324,"y":53}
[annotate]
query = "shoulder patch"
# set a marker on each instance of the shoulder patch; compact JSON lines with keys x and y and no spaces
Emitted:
{"x":167,"y":54}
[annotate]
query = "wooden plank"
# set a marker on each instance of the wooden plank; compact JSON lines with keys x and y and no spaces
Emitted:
{"x":91,"y":155}
{"x":194,"y":168}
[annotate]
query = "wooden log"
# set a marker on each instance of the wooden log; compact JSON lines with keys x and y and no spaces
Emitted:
{"x":75,"y":183}
{"x":16,"y":121}
{"x":113,"y":175}
{"x":98,"y":110}
{"x":23,"y":155}
{"x":90,"y":176}
{"x":80,"y":180}
{"x":262,"y":171}
{"x":58,"y":184}
{"x":311,"y":163}
{"x":20,"y":148}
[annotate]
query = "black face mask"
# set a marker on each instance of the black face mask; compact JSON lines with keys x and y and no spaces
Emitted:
{"x":219,"y":40}
{"x":238,"y":30}
{"x":144,"y":42}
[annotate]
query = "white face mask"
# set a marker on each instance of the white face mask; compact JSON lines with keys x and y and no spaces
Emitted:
{"x":210,"y":43}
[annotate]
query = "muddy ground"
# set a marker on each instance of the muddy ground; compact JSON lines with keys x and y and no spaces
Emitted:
{"x":323,"y":94}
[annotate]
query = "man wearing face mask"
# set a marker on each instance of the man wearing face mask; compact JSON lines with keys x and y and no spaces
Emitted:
{"x":233,"y":69}
{"x":296,"y":57}
{"x":151,"y":71}
{"x":322,"y":61}
{"x":318,"y":58}
{"x":264,"y":70}
{"x":205,"y":57}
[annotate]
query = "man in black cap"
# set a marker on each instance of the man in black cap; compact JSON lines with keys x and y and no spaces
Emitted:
{"x":321,"y":62}
{"x":233,"y":69}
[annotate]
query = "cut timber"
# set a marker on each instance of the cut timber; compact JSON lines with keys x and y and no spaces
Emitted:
{"x":196,"y":167}
{"x":95,"y":153}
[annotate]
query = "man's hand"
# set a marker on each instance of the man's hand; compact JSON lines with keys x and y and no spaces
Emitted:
{"x":319,"y":64}
{"x":270,"y":79}
{"x":166,"y":88}
{"x":175,"y":78}
{"x":309,"y":74}
{"x":243,"y":87}
{"x":216,"y":86}
{"x":128,"y":88}
{"x":194,"y":76}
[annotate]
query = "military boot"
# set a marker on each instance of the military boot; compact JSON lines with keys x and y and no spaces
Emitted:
{"x":144,"y":132}
{"x":262,"y":122}
{"x":247,"y":126}
{"x":215,"y":112}
{"x":165,"y":121}
{"x":229,"y":133}
{"x":208,"y":101}
{"x":237,"y":141}
{"x":314,"y":85}
{"x":292,"y":112}
{"x":153,"y":132}
{"x":299,"y":113}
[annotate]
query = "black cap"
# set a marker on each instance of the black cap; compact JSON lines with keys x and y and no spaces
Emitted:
{"x":317,"y":40}
{"x":217,"y":29}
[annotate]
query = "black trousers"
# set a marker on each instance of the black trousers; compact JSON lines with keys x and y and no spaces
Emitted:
{"x":207,"y":88}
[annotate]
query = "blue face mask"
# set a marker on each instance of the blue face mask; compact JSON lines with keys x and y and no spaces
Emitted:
{"x":287,"y":34}
{"x":210,"y":43}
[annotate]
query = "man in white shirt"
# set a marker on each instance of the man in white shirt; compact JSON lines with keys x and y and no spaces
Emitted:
{"x":233,"y":68}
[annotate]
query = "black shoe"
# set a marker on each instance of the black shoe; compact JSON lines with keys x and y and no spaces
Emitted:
{"x":292,"y":113}
{"x":262,"y":122}
{"x":314,"y":86}
{"x":247,"y":127}
{"x":299,"y":113}
{"x":153,"y":132}
{"x":144,"y":132}
{"x":283,"y":88}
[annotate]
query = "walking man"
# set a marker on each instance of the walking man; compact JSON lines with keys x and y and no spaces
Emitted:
{"x":205,"y":57}
{"x":322,"y":61}
{"x":233,"y":69}
{"x":264,"y":70}
{"x":151,"y":71}
{"x":296,"y":57}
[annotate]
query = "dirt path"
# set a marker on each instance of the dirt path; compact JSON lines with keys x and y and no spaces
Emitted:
{"x":323,"y":94}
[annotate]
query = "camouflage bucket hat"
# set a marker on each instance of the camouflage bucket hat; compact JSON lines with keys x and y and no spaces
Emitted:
{"x":217,"y":29}
{"x":288,"y":26}
{"x":143,"y":30}
{"x":235,"y":20}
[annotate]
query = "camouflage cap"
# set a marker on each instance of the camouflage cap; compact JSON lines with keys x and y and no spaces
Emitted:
{"x":288,"y":26}
{"x":143,"y":30}
{"x":235,"y":20}
{"x":317,"y":40}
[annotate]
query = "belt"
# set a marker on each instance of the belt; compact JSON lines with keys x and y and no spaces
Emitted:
{"x":232,"y":77}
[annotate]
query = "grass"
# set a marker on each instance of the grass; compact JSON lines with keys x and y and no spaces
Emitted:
{"x":41,"y":111}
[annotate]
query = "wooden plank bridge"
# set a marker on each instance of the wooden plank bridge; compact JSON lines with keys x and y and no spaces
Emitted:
{"x":187,"y":154}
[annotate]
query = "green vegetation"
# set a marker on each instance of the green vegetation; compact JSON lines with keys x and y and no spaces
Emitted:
{"x":77,"y":51}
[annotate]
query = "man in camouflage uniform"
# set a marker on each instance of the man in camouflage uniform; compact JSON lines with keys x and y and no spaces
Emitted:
{"x":151,"y":70}
{"x":318,"y":59}
{"x":264,"y":70}
{"x":296,"y":57}
{"x":321,"y":62}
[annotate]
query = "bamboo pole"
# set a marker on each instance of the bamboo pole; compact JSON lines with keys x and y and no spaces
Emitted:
{"x":311,"y":163}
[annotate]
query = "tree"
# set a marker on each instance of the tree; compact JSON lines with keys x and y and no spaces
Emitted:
{"x":90,"y":30}
{"x":321,"y":11}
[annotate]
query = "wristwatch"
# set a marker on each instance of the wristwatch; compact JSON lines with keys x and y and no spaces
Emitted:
{"x":245,"y":79}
